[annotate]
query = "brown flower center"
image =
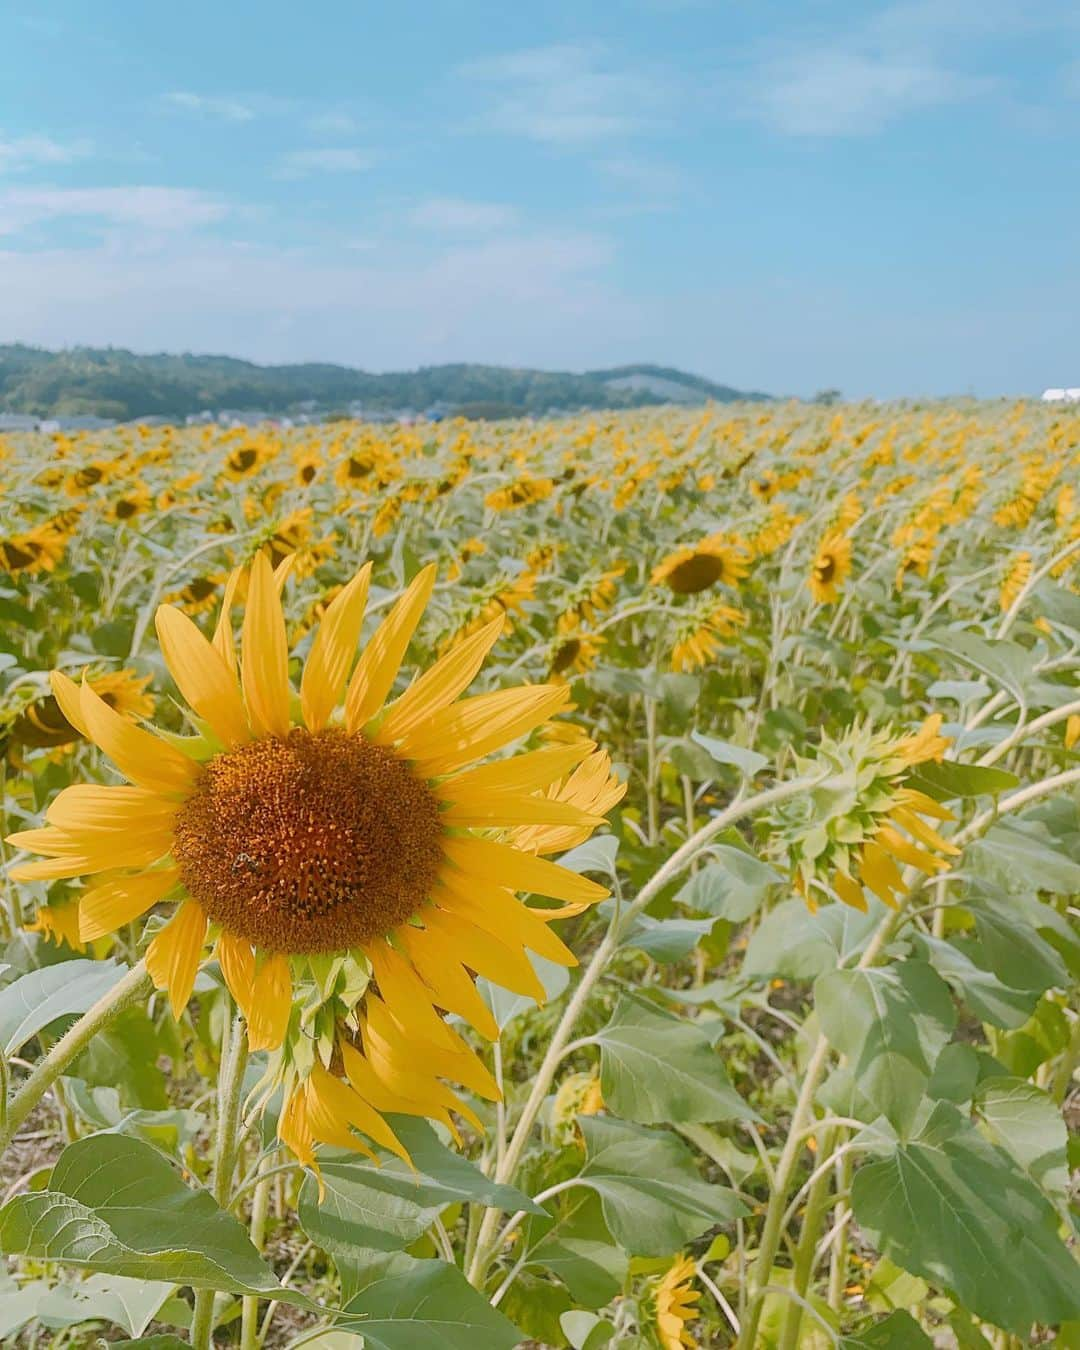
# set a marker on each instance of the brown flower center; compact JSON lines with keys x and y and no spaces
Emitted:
{"x":826,"y":568}
{"x":311,"y":843}
{"x":696,"y":573}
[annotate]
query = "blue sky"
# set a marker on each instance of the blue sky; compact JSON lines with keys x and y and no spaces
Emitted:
{"x":781,"y":196}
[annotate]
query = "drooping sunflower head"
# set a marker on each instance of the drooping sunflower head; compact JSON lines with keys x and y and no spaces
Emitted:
{"x":674,"y":1298}
{"x":714,"y":561}
{"x":701,"y":633}
{"x":351,"y":859}
{"x":846,"y":832}
{"x":831,"y":568}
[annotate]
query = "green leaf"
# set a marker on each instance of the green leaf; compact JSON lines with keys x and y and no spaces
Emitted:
{"x":584,"y":1330}
{"x":748,"y":762}
{"x":43,"y":996}
{"x":898,"y":1331}
{"x":115,"y":1205}
{"x":506,"y":1005}
{"x":656,"y":1068}
{"x":113,"y":638}
{"x":653,"y":1198}
{"x":1014,"y":950}
{"x":794,"y":944}
{"x":433,"y":1307}
{"x":891,"y":1022}
{"x":386,"y":1207}
{"x":948,"y":780}
{"x":124,"y":1055}
{"x":963,"y":965}
{"x":1020,"y":855}
{"x":595,"y":855}
{"x":536,"y":1307}
{"x":1023,"y":1120}
{"x":952,"y":1208}
{"x":1011,"y":665}
{"x":666,"y":940}
{"x":732,"y":885}
{"x":131,"y":1304}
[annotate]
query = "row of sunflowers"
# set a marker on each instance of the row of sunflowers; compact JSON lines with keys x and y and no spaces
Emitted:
{"x":329,"y":752}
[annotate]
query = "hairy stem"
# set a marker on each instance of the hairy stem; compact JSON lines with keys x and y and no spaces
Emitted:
{"x":130,"y":989}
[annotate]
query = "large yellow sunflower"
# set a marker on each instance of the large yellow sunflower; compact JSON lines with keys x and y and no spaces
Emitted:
{"x":690,"y":570}
{"x":831,"y":567}
{"x":356,"y":861}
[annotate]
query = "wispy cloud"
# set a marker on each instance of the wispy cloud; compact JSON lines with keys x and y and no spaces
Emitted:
{"x":327,"y":159}
{"x":147,"y":208}
{"x":456,"y":214}
{"x":225,"y":109}
{"x":565,"y":94}
{"x":901,"y":60}
{"x":28,"y":152}
{"x":332,"y":124}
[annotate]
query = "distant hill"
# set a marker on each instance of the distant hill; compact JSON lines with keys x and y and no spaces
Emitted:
{"x":111,"y":382}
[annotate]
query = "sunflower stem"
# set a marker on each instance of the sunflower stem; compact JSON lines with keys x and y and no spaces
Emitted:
{"x":127,"y":991}
{"x":234,"y":1055}
{"x":816,"y":1203}
{"x":260,"y":1207}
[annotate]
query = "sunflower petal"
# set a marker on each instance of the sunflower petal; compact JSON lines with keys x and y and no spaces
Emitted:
{"x":381,"y":659}
{"x":270,"y":1003}
{"x":174,"y":955}
{"x":494,"y":909}
{"x":447,"y":979}
{"x":483,"y":952}
{"x":468,"y":730}
{"x":517,"y":871}
{"x":143,"y":758}
{"x":327,"y":665}
{"x":66,"y":692}
{"x":108,"y":906}
{"x":237,"y":962}
{"x":265,"y":654}
{"x":441,"y":684}
{"x":202,"y":676}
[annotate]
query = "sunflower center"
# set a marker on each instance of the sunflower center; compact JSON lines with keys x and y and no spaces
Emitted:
{"x":696,"y":573}
{"x":826,"y":568}
{"x":310,"y":843}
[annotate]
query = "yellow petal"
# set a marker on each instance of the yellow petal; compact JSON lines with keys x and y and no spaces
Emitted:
{"x":439,"y":686}
{"x":202,"y":676}
{"x":907,"y":852}
{"x":370,"y":1087}
{"x":342,"y":1104}
{"x":327,"y":665}
{"x":102,"y":808}
{"x":174,"y":955}
{"x":488,"y":809}
{"x":294,"y":1131}
{"x":108,"y":906}
{"x":265,"y":654}
{"x":403,"y":991}
{"x":143,"y":758}
{"x":530,"y":772}
{"x":270,"y":1004}
{"x":849,"y":891}
{"x":496,"y":910}
{"x":237,"y":962}
{"x":66,"y":693}
{"x":476,"y":726}
{"x":378,"y":666}
{"x":483,"y":952}
{"x":447,"y":979}
{"x":223,"y":630}
{"x":509,"y":867}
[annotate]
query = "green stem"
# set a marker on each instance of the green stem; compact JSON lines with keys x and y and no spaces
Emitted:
{"x":838,"y":1260}
{"x":260,"y":1207}
{"x":135,"y":985}
{"x":816,"y":1204}
{"x":230,"y":1090}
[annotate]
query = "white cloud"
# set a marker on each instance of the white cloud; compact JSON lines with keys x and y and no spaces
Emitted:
{"x":227,"y":109}
{"x":535,"y":299}
{"x":27,"y":152}
{"x":330,"y":159}
{"x":332,"y":124}
{"x":565,"y":94}
{"x":456,"y":214}
{"x":900,"y":60}
{"x":146,"y":208}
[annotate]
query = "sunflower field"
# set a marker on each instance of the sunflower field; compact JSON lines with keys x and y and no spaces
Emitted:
{"x":603,"y":881}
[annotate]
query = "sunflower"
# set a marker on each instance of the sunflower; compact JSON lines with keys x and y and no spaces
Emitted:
{"x":674,"y":1302}
{"x":81,"y":481}
{"x":576,"y":653}
{"x":523,"y":492}
{"x":58,"y":922}
{"x":200,"y":594}
{"x":350,"y":869}
{"x":43,"y":723}
{"x":1015,"y":579}
{"x":37,"y":550}
{"x":132,"y":502}
{"x":832,"y":565}
{"x":700,"y":638}
{"x":714,"y":560}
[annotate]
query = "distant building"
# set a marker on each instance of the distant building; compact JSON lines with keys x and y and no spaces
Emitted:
{"x":1061,"y":396}
{"x":17,"y":422}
